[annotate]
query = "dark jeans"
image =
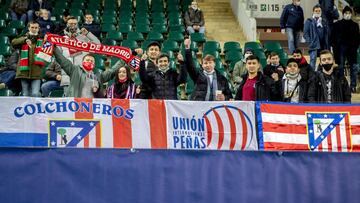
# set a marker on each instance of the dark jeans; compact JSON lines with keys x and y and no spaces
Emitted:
{"x":344,"y":54}
{"x":7,"y":77}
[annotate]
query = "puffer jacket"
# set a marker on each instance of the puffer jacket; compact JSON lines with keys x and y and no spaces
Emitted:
{"x":163,"y":85}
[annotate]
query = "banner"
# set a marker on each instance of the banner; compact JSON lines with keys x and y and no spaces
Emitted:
{"x":123,"y":53}
{"x":330,"y":128}
{"x":148,"y":124}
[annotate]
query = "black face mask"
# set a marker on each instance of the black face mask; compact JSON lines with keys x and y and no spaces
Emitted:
{"x":327,"y":67}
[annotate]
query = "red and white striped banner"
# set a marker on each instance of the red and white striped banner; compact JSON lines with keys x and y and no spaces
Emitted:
{"x":113,"y":123}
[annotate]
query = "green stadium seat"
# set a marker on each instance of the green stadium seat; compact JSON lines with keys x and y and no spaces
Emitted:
{"x":158,"y":15}
{"x":2,"y":24}
{"x":283,"y":58}
{"x":2,"y":60}
{"x":253,"y":45}
{"x":115,"y":35}
{"x":6,"y":92}
{"x":170,"y":54}
{"x":128,"y":21}
{"x":125,"y":28}
{"x":159,"y":28}
{"x":132,"y":44}
{"x":57,"y":93}
{"x":136,"y":36}
{"x":160,"y":21}
{"x":272,"y":46}
{"x":212,"y":46}
{"x":231,"y":46}
{"x":5,"y":50}
{"x":4,"y":40}
{"x":172,"y":8}
{"x":215,"y":54}
{"x":18,"y":24}
{"x":198,"y":37}
{"x":109,"y":20}
{"x":5,"y":16}
{"x":76,"y":12}
{"x":155,"y":36}
{"x":177,"y":28}
{"x":233,"y":56}
{"x":170,"y":45}
{"x":172,"y":64}
{"x":142,"y":28}
{"x":110,"y":42}
{"x":176,"y":36}
{"x":107,"y":27}
{"x":142,"y":21}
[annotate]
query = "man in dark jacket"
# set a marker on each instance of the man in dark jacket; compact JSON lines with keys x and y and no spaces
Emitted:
{"x":92,"y":26}
{"x":149,"y":61}
{"x":255,"y":86}
{"x":164,"y":81}
{"x":316,"y":34}
{"x":330,"y":12}
{"x":194,"y":19}
{"x":274,"y":69}
{"x":60,"y":26}
{"x":345,"y":41}
{"x":210,"y":85}
{"x":327,"y":86}
{"x":292,"y":22}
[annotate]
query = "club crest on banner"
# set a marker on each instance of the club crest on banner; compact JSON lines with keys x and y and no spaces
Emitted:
{"x":328,"y":130}
{"x":75,"y":133}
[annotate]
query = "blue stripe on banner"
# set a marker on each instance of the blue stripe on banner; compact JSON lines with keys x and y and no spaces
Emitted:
{"x":23,"y":139}
{"x":259,"y":124}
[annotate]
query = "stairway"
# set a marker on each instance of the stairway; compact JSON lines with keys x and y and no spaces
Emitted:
{"x":221,"y":24}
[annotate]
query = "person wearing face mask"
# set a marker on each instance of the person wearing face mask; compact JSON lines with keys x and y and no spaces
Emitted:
{"x":210,"y":85}
{"x":30,"y":66}
{"x":306,"y":70}
{"x":123,"y":86}
{"x":194,"y":19}
{"x":239,"y":68}
{"x":292,"y":23}
{"x":316,"y":34}
{"x":84,"y":83}
{"x":256,"y":86}
{"x":327,"y":86}
{"x":345,"y":40}
{"x":164,"y":81}
{"x":72,"y":31}
{"x":294,"y":86}
{"x":274,"y":70}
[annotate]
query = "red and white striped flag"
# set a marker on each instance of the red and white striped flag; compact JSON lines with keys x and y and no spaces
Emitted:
{"x":46,"y":52}
{"x":309,"y":127}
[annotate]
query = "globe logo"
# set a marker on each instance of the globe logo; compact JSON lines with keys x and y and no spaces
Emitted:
{"x":229,"y":128}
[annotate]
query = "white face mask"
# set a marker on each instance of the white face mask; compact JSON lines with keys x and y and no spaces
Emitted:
{"x":315,"y":15}
{"x":247,"y":55}
{"x":347,"y":16}
{"x":297,"y":3}
{"x":194,"y":7}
